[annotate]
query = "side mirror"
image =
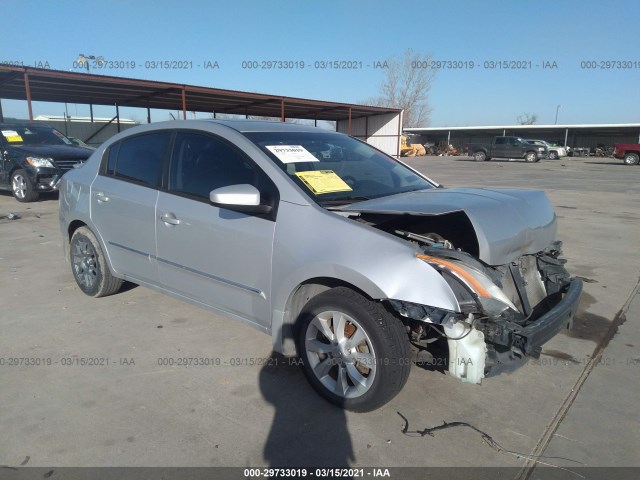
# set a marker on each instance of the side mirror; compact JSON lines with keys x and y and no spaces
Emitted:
{"x":241,"y":198}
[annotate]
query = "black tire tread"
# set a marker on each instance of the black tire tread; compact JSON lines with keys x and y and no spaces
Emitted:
{"x":109,"y":284}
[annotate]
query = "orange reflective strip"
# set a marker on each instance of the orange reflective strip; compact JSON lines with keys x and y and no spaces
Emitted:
{"x":475,"y":284}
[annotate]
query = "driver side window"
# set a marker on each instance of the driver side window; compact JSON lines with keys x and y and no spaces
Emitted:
{"x":201,"y":163}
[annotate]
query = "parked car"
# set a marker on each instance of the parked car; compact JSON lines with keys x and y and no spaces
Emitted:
{"x":506,"y":147}
{"x":628,"y":152}
{"x":554,"y":151}
{"x":343,"y":254}
{"x":33,"y":158}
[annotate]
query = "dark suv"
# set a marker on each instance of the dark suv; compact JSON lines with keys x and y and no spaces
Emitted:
{"x":33,"y":158}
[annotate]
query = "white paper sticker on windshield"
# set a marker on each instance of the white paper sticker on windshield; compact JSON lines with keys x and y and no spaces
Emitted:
{"x":12,"y":136}
{"x":291,"y":153}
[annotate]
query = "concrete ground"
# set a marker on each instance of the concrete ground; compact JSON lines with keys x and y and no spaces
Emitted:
{"x":110,"y":398}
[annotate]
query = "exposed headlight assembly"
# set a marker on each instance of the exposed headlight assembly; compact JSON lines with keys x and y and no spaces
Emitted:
{"x":476,"y":285}
{"x":39,"y":162}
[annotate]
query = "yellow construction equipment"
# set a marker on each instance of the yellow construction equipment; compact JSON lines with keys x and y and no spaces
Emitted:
{"x":411,"y":149}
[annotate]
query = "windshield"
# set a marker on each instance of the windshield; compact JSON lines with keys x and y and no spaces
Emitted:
{"x":333,"y":168}
{"x":33,"y":135}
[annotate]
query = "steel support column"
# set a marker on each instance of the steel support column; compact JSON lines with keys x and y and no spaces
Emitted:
{"x":1,"y":114}
{"x":148,"y":115}
{"x":349,"y":121}
{"x":398,"y":142}
{"x":28,"y":92}
{"x":282,"y":117}
{"x":184,"y":103}
{"x":566,"y":136}
{"x":118,"y":117}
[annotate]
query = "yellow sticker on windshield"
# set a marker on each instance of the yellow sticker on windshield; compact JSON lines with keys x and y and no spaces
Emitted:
{"x":323,"y":181}
{"x":12,"y":136}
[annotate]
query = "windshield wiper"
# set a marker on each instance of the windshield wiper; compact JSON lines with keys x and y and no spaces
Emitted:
{"x":342,"y":201}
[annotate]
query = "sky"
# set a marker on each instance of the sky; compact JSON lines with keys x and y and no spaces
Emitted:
{"x":580,"y":40}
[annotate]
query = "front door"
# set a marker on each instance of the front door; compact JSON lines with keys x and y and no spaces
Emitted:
{"x":217,"y":257}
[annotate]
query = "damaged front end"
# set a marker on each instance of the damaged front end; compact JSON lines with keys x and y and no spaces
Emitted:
{"x":506,"y":313}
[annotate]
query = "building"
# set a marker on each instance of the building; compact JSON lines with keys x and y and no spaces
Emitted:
{"x":574,"y":136}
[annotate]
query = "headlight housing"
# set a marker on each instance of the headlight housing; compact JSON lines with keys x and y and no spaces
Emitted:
{"x":40,"y":162}
{"x":489,"y":297}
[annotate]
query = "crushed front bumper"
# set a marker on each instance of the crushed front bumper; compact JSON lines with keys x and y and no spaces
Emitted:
{"x":560,"y":317}
{"x":511,"y":344}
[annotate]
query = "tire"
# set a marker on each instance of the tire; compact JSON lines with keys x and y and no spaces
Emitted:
{"x":531,"y":157}
{"x":89,"y":266}
{"x":358,"y":376}
{"x":479,"y":156}
{"x":22,"y":188}
{"x":631,"y":159}
{"x":553,"y":155}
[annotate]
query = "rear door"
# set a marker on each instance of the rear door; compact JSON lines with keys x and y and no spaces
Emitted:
{"x":215,"y":256}
{"x":123,"y":202}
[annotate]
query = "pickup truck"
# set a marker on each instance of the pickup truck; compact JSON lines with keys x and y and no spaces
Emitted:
{"x":628,"y":152}
{"x":506,"y":147}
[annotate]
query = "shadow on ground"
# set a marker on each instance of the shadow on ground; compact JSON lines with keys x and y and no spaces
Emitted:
{"x":306,"y":430}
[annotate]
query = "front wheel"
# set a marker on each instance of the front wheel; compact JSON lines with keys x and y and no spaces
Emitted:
{"x":631,"y":159}
{"x":553,"y":156}
{"x":89,"y":265}
{"x":531,"y":157}
{"x":22,"y":188}
{"x":354,"y":352}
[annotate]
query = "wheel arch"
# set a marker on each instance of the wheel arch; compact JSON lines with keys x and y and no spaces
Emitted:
{"x":283,"y":330}
{"x":77,"y":223}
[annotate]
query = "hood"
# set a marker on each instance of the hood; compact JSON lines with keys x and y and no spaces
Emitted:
{"x":66,"y":152}
{"x":508,"y":223}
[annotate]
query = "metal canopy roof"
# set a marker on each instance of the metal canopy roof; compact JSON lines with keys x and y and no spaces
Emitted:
{"x":36,"y":84}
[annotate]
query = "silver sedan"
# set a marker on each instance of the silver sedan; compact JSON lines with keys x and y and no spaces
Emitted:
{"x":343,"y":255}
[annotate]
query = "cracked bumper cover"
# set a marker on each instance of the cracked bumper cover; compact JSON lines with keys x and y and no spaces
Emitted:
{"x":512,"y":348}
{"x":559,"y":318}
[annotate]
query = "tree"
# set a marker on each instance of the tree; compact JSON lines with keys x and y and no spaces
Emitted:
{"x":406,"y":85}
{"x":527,"y":118}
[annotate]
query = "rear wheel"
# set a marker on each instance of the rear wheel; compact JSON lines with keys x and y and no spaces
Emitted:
{"x":553,"y":155}
{"x":480,"y":156}
{"x":631,"y":159}
{"x":531,"y":157}
{"x":354,"y":352}
{"x":89,"y":265}
{"x":22,"y":188}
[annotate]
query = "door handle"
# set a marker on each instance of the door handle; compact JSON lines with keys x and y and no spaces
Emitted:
{"x":170,"y":219}
{"x":101,"y":197}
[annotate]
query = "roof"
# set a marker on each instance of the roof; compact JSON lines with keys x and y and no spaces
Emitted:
{"x":242,"y":126}
{"x":84,"y":88}
{"x":264,"y":126}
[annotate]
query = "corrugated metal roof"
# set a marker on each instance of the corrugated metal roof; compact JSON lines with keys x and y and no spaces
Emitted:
{"x":72,"y":87}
